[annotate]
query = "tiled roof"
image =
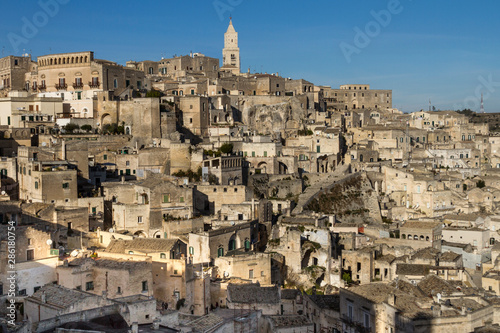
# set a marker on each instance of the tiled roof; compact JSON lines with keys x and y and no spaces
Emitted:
{"x":141,"y":244}
{"x":60,"y":296}
{"x":252,"y":293}
{"x":412,"y":269}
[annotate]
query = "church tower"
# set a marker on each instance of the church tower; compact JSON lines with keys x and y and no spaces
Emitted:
{"x":231,"y":51}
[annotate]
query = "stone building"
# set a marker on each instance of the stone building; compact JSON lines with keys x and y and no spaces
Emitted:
{"x":20,"y":110}
{"x":323,"y":311}
{"x":227,"y":170}
{"x":195,"y":114}
{"x":423,"y":232}
{"x":141,"y":206}
{"x":205,"y":246}
{"x":254,"y":296}
{"x":114,"y":278}
{"x":12,"y":72}
{"x":53,"y":300}
{"x":255,"y":267}
{"x":78,"y":74}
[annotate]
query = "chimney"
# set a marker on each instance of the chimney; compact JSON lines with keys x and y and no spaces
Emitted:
{"x":463,"y":311}
{"x":156,"y":324}
{"x":392,"y":299}
{"x":135,"y":327}
{"x":63,"y":149}
{"x":44,"y":299}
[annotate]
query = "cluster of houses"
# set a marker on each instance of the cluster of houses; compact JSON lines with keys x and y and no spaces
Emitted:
{"x":183,"y":196}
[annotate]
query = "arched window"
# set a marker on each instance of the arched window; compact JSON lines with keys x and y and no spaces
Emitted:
{"x":36,"y":185}
{"x":220,"y":251}
{"x":191,"y":250}
{"x":247,"y":244}
{"x":163,"y":256}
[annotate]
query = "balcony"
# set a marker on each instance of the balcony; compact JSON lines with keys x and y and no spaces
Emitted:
{"x":42,"y":87}
{"x":94,"y":84}
{"x":78,"y":85}
{"x":63,"y":86}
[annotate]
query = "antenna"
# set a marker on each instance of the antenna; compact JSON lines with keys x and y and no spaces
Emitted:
{"x":482,"y":104}
{"x":429,"y":104}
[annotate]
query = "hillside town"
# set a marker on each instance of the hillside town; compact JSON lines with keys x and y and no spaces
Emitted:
{"x":180,"y":195}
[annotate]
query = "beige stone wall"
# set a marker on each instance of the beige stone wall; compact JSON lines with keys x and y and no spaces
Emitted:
{"x":241,"y":266}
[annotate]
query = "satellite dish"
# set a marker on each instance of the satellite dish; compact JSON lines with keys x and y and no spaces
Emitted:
{"x":49,"y":241}
{"x":111,"y":230}
{"x":3,"y":193}
{"x":44,"y":144}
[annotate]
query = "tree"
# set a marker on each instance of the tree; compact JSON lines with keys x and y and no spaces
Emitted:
{"x":346,"y":277}
{"x":480,"y":184}
{"x":153,"y":93}
{"x":226,"y":148}
{"x":70,"y":128}
{"x":86,"y":128}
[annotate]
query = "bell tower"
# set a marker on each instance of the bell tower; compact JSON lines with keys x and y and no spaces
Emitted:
{"x":231,"y":51}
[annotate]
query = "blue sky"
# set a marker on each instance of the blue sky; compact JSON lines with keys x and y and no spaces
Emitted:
{"x":443,"y":50}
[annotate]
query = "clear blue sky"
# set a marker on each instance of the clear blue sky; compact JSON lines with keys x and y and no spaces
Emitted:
{"x":429,"y":49}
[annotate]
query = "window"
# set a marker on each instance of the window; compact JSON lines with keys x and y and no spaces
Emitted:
{"x":250,"y":274}
{"x":65,"y":185}
{"x":166,"y":198}
{"x":105,"y":157}
{"x":163,"y":256}
{"x":144,"y":286}
{"x":181,"y":199}
{"x":36,"y":185}
{"x":119,"y":290}
{"x":139,"y":219}
{"x":29,"y":241}
{"x":366,"y":319}
{"x":115,"y":83}
{"x":191,"y":250}
{"x":175,"y":272}
{"x":89,"y":285}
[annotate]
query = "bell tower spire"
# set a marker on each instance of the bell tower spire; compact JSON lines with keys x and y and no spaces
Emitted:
{"x":231,"y":51}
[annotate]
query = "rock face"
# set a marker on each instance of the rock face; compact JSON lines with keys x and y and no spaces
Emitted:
{"x":269,"y":115}
{"x":351,"y":200}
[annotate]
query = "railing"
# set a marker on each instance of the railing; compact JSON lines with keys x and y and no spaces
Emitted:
{"x":42,"y":87}
{"x":61,"y":86}
{"x":94,"y":84}
{"x":78,"y":85}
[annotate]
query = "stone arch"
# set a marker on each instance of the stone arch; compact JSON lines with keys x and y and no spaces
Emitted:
{"x":282,"y":168}
{"x":157,"y":234}
{"x":262,"y":166}
{"x":140,"y":234}
{"x":106,"y":119}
